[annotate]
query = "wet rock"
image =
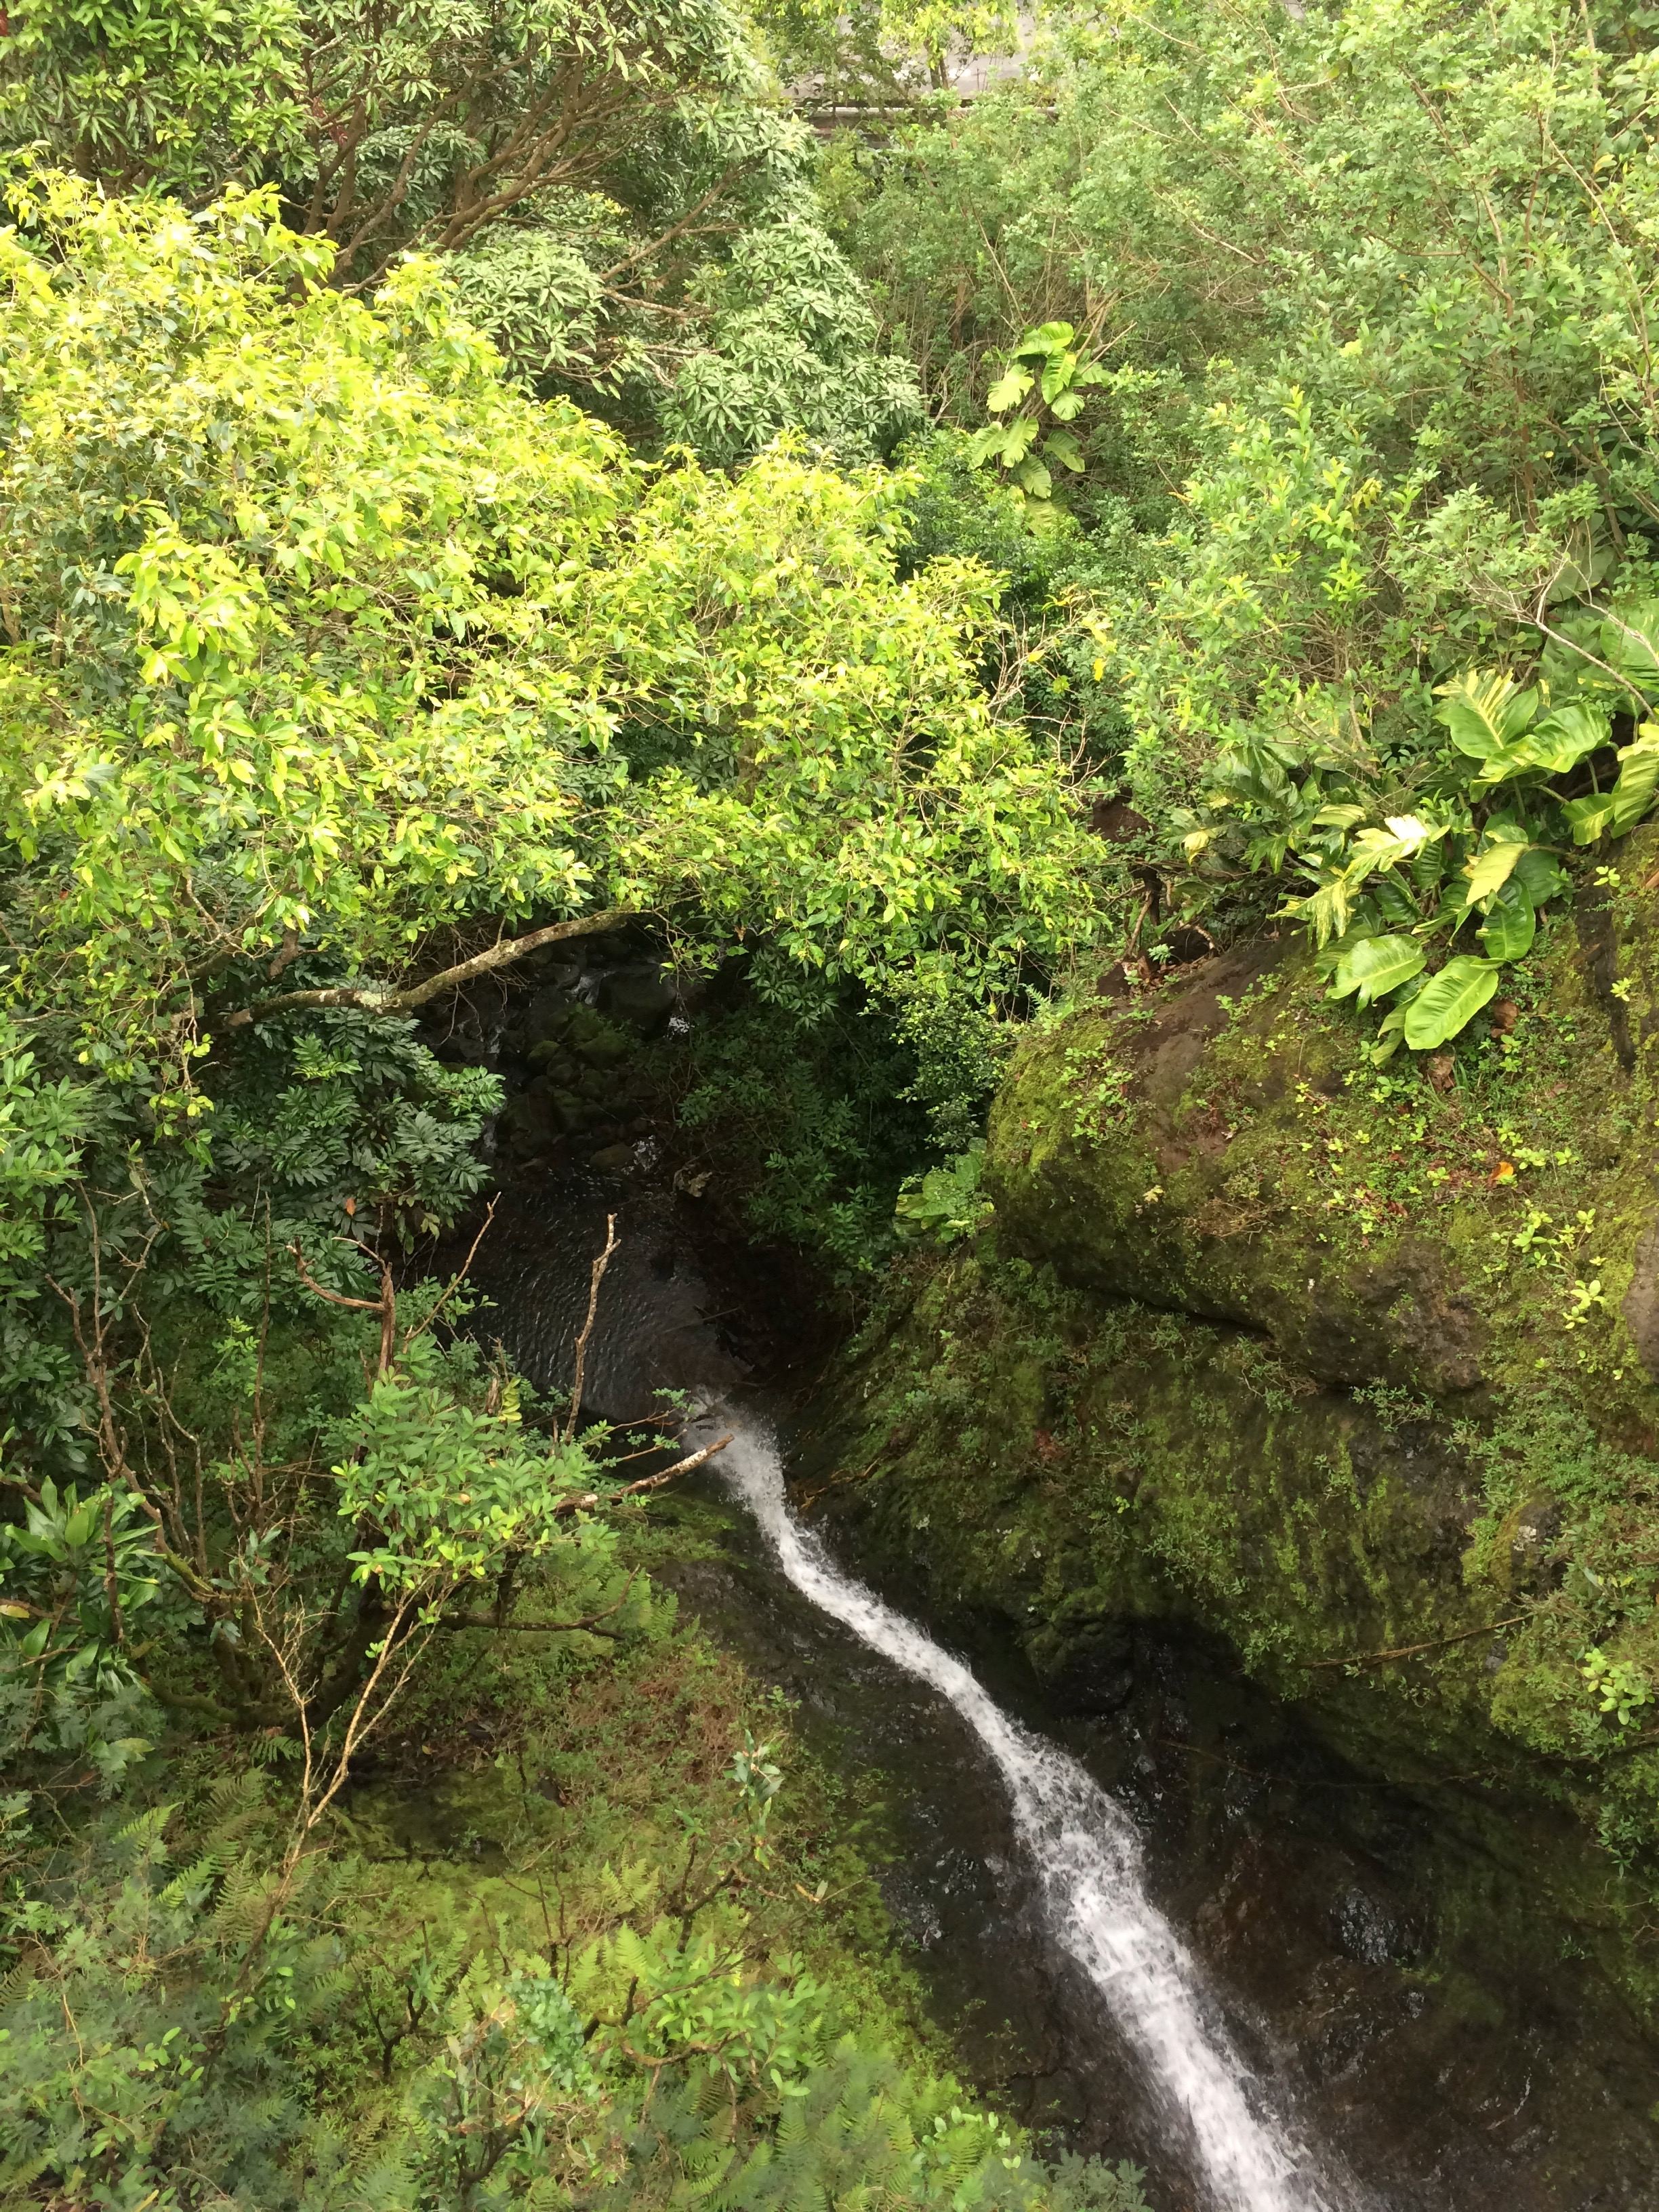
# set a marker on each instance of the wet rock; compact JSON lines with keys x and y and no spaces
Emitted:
{"x":1533,"y":1535}
{"x":1087,"y":1668}
{"x":529,"y":1120}
{"x":602,"y":1048}
{"x":613,"y":1159}
{"x":1366,"y":1928}
{"x":641,"y":998}
{"x":547,"y":1016}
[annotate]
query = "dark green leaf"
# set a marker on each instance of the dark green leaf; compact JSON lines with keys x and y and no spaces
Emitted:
{"x":1510,"y":924}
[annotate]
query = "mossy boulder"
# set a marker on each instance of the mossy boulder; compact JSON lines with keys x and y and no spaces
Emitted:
{"x":1159,"y":1150}
{"x":1352,"y":1365}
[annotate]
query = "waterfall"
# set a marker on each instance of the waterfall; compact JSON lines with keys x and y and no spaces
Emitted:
{"x":1088,"y":1855}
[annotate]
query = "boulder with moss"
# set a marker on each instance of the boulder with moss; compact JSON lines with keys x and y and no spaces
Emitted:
{"x":1354,"y":1365}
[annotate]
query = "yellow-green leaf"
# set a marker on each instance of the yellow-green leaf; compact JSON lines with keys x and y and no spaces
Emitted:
{"x":1447,"y":1002}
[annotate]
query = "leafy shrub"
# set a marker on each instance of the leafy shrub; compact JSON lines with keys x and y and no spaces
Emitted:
{"x":944,"y":1205}
{"x":1477,"y":836}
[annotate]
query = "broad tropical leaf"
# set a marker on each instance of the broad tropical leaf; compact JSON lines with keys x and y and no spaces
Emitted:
{"x":1566,"y":736}
{"x":1486,"y":712}
{"x":1638,"y":779}
{"x":1510,"y":924}
{"x":1327,"y":911}
{"x":1629,"y":639}
{"x":1010,"y":388}
{"x":1590,"y":816}
{"x":1375,"y":966}
{"x":1490,"y":870}
{"x":1060,"y":446}
{"x":1447,"y":1002}
{"x":1047,"y":339}
{"x":1413,"y":833}
{"x":1540,"y":875}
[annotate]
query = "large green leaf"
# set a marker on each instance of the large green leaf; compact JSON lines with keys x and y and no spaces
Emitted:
{"x":1486,"y":712}
{"x":1540,"y":875}
{"x":1376,"y":966}
{"x":1588,"y":817}
{"x":1060,"y":446}
{"x":1047,"y":339}
{"x":1394,"y":1022}
{"x":1448,"y":1001}
{"x":1057,"y":375}
{"x":1429,"y":865}
{"x":1638,"y":779}
{"x":1510,"y":924}
{"x":1630,"y":640}
{"x":1490,"y":870}
{"x":1566,"y":736}
{"x":1010,"y":388}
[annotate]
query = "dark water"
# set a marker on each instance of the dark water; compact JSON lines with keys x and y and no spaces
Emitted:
{"x":1476,"y":2067}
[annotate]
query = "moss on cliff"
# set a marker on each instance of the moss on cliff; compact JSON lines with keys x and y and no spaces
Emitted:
{"x":1354,"y":1366}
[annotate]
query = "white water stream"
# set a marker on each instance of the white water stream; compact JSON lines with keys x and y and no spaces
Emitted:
{"x":1089,"y":1856}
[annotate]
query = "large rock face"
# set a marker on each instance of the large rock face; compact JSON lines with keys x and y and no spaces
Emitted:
{"x":1353,"y":1367}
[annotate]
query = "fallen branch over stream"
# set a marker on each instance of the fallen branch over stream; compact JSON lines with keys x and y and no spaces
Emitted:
{"x":591,"y":1497}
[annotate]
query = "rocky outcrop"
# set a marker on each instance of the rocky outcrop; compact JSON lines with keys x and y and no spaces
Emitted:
{"x":1353,"y":1367}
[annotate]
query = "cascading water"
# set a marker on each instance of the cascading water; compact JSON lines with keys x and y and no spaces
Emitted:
{"x":1088,"y":1855}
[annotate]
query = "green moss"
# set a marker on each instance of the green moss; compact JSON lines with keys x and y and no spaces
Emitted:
{"x":1337,"y":1362}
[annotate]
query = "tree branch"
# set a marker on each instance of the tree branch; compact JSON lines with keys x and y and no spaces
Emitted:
{"x":501,"y":955}
{"x":599,"y":1266}
{"x":645,"y":252}
{"x":1411,"y":1651}
{"x":589,"y":1497}
{"x":488,"y":1621}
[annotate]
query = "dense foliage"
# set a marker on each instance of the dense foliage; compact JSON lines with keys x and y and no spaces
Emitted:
{"x":476,"y":479}
{"x":625,"y":203}
{"x":1366,"y":285}
{"x":338,"y":667}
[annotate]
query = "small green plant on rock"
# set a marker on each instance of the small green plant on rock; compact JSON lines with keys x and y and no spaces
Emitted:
{"x":945,"y":1203}
{"x":1618,"y":1686}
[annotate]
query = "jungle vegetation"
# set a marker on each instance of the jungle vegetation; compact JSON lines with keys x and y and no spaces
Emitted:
{"x":471,"y":475}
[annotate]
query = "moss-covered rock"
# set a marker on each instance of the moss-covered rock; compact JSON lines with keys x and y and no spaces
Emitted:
{"x":1352,"y":1365}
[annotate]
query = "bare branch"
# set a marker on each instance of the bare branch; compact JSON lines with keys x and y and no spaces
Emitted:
{"x":598,"y":1277}
{"x":448,"y":979}
{"x":386,"y":1305}
{"x":457,"y":1279}
{"x":591,"y":1497}
{"x":543,"y":1627}
{"x":645,"y":252}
